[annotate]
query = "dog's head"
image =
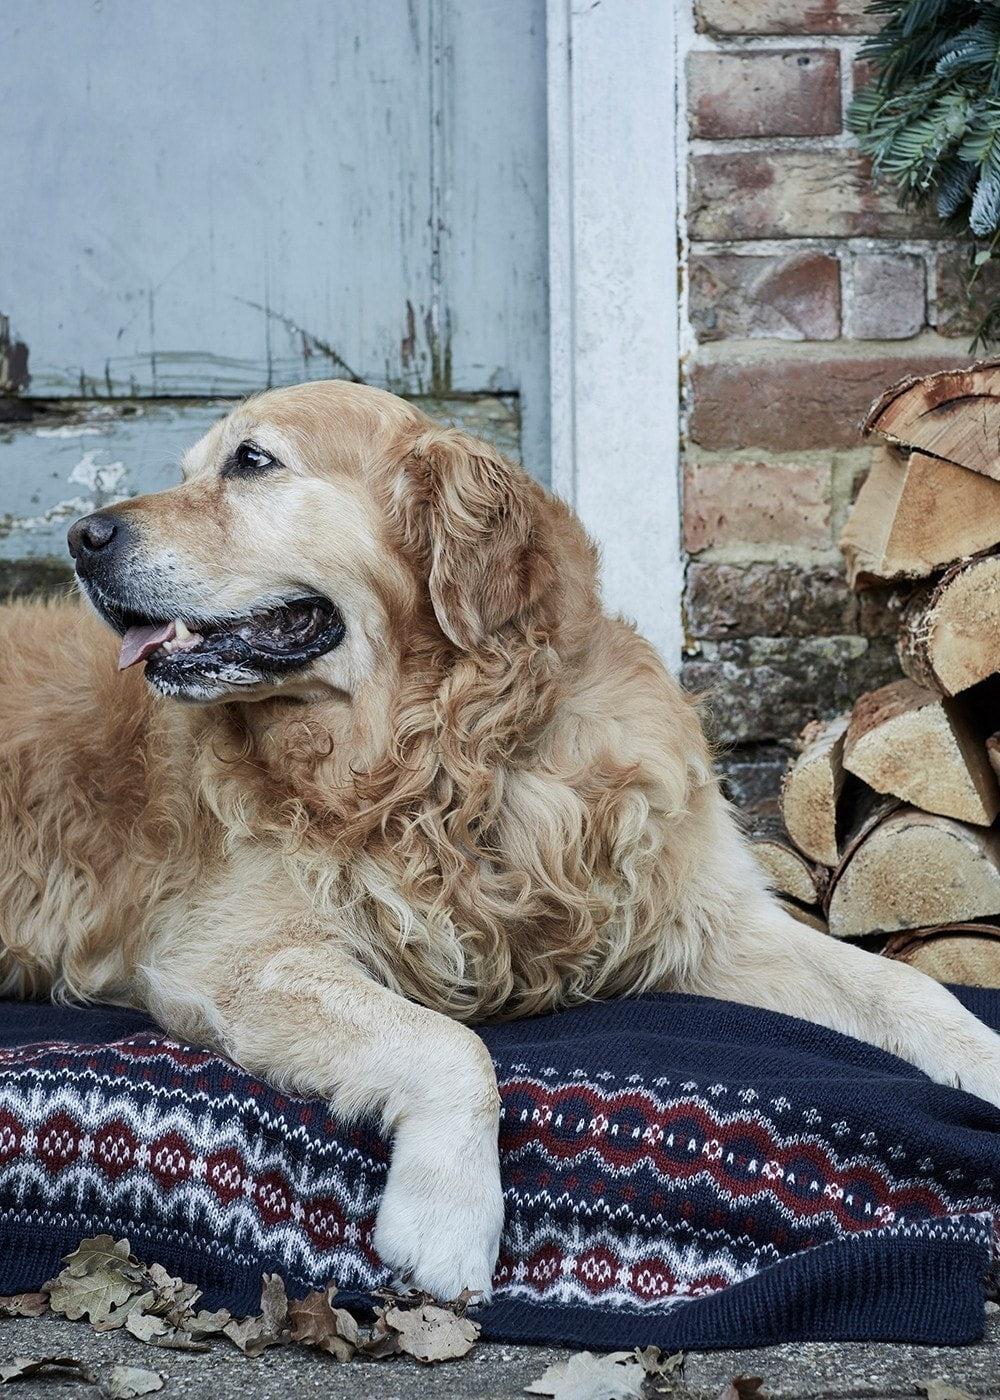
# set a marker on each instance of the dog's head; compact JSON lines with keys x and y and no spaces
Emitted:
{"x":318,"y":531}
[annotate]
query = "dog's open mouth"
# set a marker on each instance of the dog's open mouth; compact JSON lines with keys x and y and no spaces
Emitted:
{"x":269,"y":642}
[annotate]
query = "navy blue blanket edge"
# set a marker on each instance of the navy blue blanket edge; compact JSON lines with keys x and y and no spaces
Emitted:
{"x":875,"y":1289}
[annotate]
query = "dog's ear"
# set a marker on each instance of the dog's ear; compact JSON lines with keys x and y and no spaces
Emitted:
{"x":471,"y":519}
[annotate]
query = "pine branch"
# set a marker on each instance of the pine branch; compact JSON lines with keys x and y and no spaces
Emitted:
{"x":930,"y":119}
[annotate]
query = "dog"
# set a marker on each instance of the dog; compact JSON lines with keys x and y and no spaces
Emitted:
{"x":345,"y":757}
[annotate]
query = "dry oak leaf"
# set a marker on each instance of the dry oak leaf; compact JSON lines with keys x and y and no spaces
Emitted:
{"x":99,"y":1278}
{"x":315,"y":1322}
{"x":30,"y":1366}
{"x":941,"y":1390}
{"x":430,"y":1333}
{"x":381,"y":1340}
{"x":174,"y":1296}
{"x":24,"y":1305}
{"x":659,"y":1363}
{"x":743,"y":1388}
{"x":616,"y":1376}
{"x":126,"y":1382}
{"x":268,"y":1328}
{"x":208,"y":1324}
{"x":159,"y":1332}
{"x":118,"y":1317}
{"x":103,"y":1251}
{"x":98,"y":1296}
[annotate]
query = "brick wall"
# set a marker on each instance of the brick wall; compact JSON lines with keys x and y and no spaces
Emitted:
{"x":807,"y":293}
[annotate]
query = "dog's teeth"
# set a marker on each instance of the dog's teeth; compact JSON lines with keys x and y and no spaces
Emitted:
{"x":181,"y":630}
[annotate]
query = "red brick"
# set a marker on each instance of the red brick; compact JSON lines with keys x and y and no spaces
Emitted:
{"x":889,"y":299}
{"x":863,"y":72}
{"x":785,"y":17}
{"x":792,"y":297}
{"x":756,"y":503}
{"x":792,"y":93}
{"x":795,"y":194}
{"x":795,"y":405}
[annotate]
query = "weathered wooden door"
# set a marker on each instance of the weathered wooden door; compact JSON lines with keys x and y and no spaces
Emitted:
{"x":203,"y":198}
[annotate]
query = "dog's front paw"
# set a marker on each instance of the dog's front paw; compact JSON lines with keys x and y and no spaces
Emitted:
{"x":439,"y":1223}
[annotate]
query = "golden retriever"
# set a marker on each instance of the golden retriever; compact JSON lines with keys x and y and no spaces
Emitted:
{"x":378,"y":766}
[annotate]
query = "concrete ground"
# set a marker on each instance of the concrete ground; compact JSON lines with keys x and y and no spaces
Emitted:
{"x":817,"y":1371}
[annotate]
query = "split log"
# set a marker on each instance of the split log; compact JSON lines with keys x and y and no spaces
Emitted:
{"x":968,"y":954}
{"x":787,"y":872}
{"x":811,"y":789}
{"x":949,"y":635}
{"x":860,"y":810}
{"x":916,"y":515}
{"x":954,"y":414}
{"x":925,"y":749}
{"x":810,"y":915}
{"x":915,"y":870}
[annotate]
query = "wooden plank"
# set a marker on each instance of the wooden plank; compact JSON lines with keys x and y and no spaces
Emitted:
{"x":73,"y":458}
{"x":363,"y":193}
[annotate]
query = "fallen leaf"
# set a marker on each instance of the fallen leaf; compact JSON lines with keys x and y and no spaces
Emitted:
{"x":465,"y":1300}
{"x":95,"y":1295}
{"x":24,"y":1305}
{"x":585,"y":1376}
{"x":29,"y":1366}
{"x":159,"y":1332}
{"x":145,"y":1326}
{"x":100,"y":1276}
{"x":941,"y":1390}
{"x":128,"y":1381}
{"x":173,"y":1295}
{"x":117,"y":1317}
{"x":267,"y":1329}
{"x":315,"y":1322}
{"x":382,"y":1340}
{"x":101,"y":1252}
{"x":743,"y":1388}
{"x":659,"y":1363}
{"x":208,"y":1324}
{"x":431,"y":1333}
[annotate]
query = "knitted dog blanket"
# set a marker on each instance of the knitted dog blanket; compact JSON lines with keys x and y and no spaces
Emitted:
{"x":677,"y":1171}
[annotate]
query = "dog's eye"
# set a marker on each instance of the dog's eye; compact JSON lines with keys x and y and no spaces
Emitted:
{"x":248,"y":457}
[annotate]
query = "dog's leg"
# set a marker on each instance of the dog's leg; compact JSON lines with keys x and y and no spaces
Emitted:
{"x":308,"y":1020}
{"x":766,"y":958}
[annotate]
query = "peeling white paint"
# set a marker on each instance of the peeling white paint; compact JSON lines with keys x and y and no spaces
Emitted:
{"x":69,"y":430}
{"x":62,"y":510}
{"x":102,"y":478}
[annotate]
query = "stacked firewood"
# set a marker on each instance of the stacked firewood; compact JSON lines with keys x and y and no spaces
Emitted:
{"x":888,"y":817}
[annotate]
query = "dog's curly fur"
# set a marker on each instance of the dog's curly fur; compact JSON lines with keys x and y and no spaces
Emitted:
{"x":490,"y":800}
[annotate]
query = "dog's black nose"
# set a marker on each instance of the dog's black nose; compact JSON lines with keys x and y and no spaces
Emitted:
{"x":90,"y":535}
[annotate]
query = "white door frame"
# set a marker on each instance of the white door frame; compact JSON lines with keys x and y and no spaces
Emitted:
{"x":613,"y":298}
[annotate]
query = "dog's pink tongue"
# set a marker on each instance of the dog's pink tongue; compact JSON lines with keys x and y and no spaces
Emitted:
{"x":138,"y":642}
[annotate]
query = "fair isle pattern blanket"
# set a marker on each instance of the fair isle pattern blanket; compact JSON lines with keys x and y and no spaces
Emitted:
{"x":677,"y":1171}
